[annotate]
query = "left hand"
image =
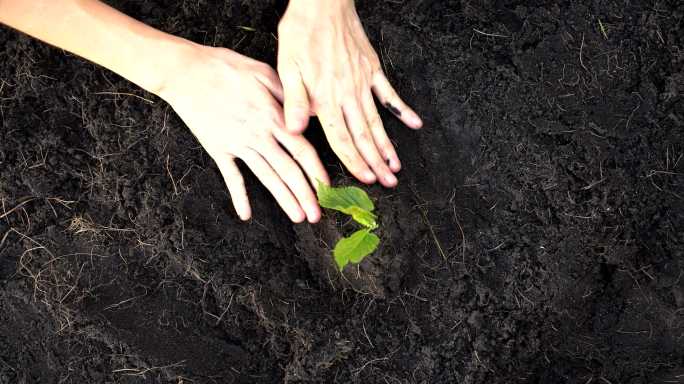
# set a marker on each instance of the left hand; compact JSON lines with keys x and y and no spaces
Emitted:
{"x":328,"y":67}
{"x":231,"y":104}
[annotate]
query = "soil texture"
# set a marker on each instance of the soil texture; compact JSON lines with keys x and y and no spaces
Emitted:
{"x":536,"y":235}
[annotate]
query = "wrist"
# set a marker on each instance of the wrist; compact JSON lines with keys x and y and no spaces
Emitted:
{"x":167,"y":62}
{"x":315,"y":8}
{"x":322,"y":3}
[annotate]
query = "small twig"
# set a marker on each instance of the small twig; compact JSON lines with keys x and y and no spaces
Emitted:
{"x":592,"y":185}
{"x":653,"y":172}
{"x":432,"y":231}
{"x":16,"y":207}
{"x":124,"y":94}
{"x":631,"y":115}
{"x":580,"y":217}
{"x":39,"y":245}
{"x":434,"y":235}
{"x":363,"y":322}
{"x":225,"y":310}
{"x":357,"y":371}
{"x":175,"y":190}
{"x":3,"y":360}
{"x":489,"y":34}
{"x":580,"y":54}
{"x":73,"y":286}
{"x":120,"y":303}
{"x":603,"y":29}
{"x":4,"y":237}
{"x":463,"y":240}
{"x":497,"y":247}
{"x":142,"y":372}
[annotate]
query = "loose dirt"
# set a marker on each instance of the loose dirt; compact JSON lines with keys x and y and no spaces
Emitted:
{"x":537,"y":233}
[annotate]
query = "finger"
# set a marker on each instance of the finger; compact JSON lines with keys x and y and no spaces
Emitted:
{"x":358,"y":126}
{"x":236,"y":186}
{"x":269,"y":78}
{"x":293,"y":177}
{"x":274,"y":184}
{"x":304,"y":153}
{"x":300,"y":149}
{"x":296,"y":99}
{"x":335,"y":128}
{"x":377,"y":129}
{"x":391,"y":100}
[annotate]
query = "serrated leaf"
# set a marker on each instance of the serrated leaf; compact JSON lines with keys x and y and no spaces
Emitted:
{"x":340,"y":198}
{"x":355,"y":247}
{"x":362,"y":217}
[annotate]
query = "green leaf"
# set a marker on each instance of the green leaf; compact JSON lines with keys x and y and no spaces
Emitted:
{"x":354,"y":202}
{"x":355,"y":247}
{"x":350,"y":200}
{"x":362,"y":217}
{"x":343,"y":197}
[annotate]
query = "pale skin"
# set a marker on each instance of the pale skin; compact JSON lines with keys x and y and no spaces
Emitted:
{"x":326,"y":67}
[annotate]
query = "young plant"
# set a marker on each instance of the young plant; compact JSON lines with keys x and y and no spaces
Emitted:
{"x":354,"y":202}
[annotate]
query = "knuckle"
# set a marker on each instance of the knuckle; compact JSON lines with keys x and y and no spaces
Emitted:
{"x":242,"y":152}
{"x":263,"y":67}
{"x":356,"y":162}
{"x":273,"y":115}
{"x":342,"y":153}
{"x":323,"y":102}
{"x":339,"y":76}
{"x":233,"y":149}
{"x":371,"y":63}
{"x":387,"y":148}
{"x":296,"y":102}
{"x":263,"y":146}
{"x":377,"y":163}
{"x":375,"y":121}
{"x":290,"y":174}
{"x":359,"y":169}
{"x":362,"y":136}
{"x":299,"y":153}
{"x":266,"y":70}
{"x":342,"y":139}
{"x":375,"y":63}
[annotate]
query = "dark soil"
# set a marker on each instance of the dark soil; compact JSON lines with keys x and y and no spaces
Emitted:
{"x":537,"y":234}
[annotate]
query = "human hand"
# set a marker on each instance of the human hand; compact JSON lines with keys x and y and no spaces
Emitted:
{"x":327,"y":66}
{"x":230,"y":102}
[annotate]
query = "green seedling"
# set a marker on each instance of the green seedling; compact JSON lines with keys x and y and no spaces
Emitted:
{"x":354,"y":202}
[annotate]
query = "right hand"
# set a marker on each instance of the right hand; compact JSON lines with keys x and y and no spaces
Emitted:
{"x":328,"y":66}
{"x":232,"y":105}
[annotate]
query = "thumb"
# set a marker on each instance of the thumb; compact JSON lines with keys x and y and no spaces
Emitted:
{"x":296,"y":105}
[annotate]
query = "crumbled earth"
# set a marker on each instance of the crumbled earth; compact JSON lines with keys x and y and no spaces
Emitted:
{"x":536,"y":236}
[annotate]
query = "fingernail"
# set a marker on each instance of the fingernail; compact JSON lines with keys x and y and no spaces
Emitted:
{"x":394,"y":165}
{"x":315,"y":218}
{"x":298,"y":120}
{"x":313,"y":214}
{"x":391,"y":179}
{"x":416,"y":121}
{"x":298,"y":217}
{"x":369,"y":176}
{"x":300,"y":114}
